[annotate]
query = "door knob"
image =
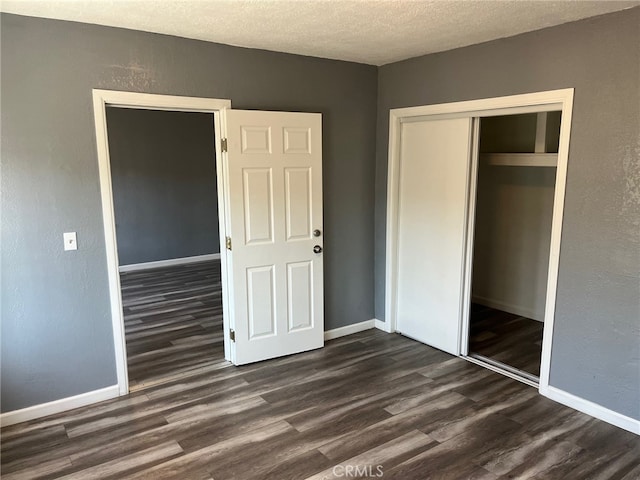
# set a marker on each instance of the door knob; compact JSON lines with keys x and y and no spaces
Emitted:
{"x":317,"y":249}
{"x":317,"y":233}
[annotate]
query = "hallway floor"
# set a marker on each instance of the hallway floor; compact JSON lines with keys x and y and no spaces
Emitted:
{"x":173,"y":321}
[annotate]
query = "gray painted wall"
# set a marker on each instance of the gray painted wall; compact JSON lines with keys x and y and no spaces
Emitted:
{"x":56,"y":321}
{"x":163,"y":172}
{"x":512,"y":238}
{"x":596,"y":348}
{"x":514,"y":210}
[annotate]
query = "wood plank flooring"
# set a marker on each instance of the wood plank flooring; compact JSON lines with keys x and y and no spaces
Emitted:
{"x":173,"y":321}
{"x":507,"y":338}
{"x":376,"y":401}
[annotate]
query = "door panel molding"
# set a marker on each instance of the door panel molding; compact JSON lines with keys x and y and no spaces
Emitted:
{"x":274,"y":165}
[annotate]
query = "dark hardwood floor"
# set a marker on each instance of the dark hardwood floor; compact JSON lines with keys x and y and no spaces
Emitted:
{"x":507,"y":338}
{"x":380,"y":402}
{"x":173,"y":321}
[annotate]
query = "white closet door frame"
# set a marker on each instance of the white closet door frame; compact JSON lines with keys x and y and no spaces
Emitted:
{"x":516,"y":104}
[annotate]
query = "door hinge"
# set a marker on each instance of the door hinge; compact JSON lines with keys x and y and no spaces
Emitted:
{"x":228,"y":243}
{"x":232,"y":335}
{"x":223,"y":144}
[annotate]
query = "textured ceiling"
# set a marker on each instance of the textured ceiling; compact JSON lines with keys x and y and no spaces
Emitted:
{"x":367,"y":31}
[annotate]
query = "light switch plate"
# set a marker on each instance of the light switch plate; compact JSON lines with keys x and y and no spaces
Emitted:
{"x":70,"y":241}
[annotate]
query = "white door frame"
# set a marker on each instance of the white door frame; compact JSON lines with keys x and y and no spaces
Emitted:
{"x":515,"y":104}
{"x":102,"y":99}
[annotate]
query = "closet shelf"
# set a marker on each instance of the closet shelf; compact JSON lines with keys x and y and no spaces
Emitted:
{"x":520,"y":159}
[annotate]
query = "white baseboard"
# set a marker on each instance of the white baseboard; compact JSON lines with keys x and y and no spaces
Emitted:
{"x":167,"y":263}
{"x":57,"y":406}
{"x":348,"y":330}
{"x":508,"y":307}
{"x":593,"y":409}
{"x":355,"y":328}
{"x":381,"y":325}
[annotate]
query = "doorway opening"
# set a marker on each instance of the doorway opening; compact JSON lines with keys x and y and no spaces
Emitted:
{"x":102,"y":101}
{"x":163,"y":175}
{"x":515,"y":189}
{"x":269,"y":183}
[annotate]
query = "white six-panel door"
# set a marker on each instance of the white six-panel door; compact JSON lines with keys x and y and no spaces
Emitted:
{"x":275,"y":205}
{"x":434,"y":164}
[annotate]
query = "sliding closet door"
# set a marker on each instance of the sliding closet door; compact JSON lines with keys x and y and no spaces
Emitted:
{"x":434,"y":166}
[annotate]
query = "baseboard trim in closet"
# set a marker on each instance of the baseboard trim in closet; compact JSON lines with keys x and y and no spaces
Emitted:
{"x":508,"y":307}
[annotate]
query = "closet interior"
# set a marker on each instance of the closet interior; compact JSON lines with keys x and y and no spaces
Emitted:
{"x":512,"y":236}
